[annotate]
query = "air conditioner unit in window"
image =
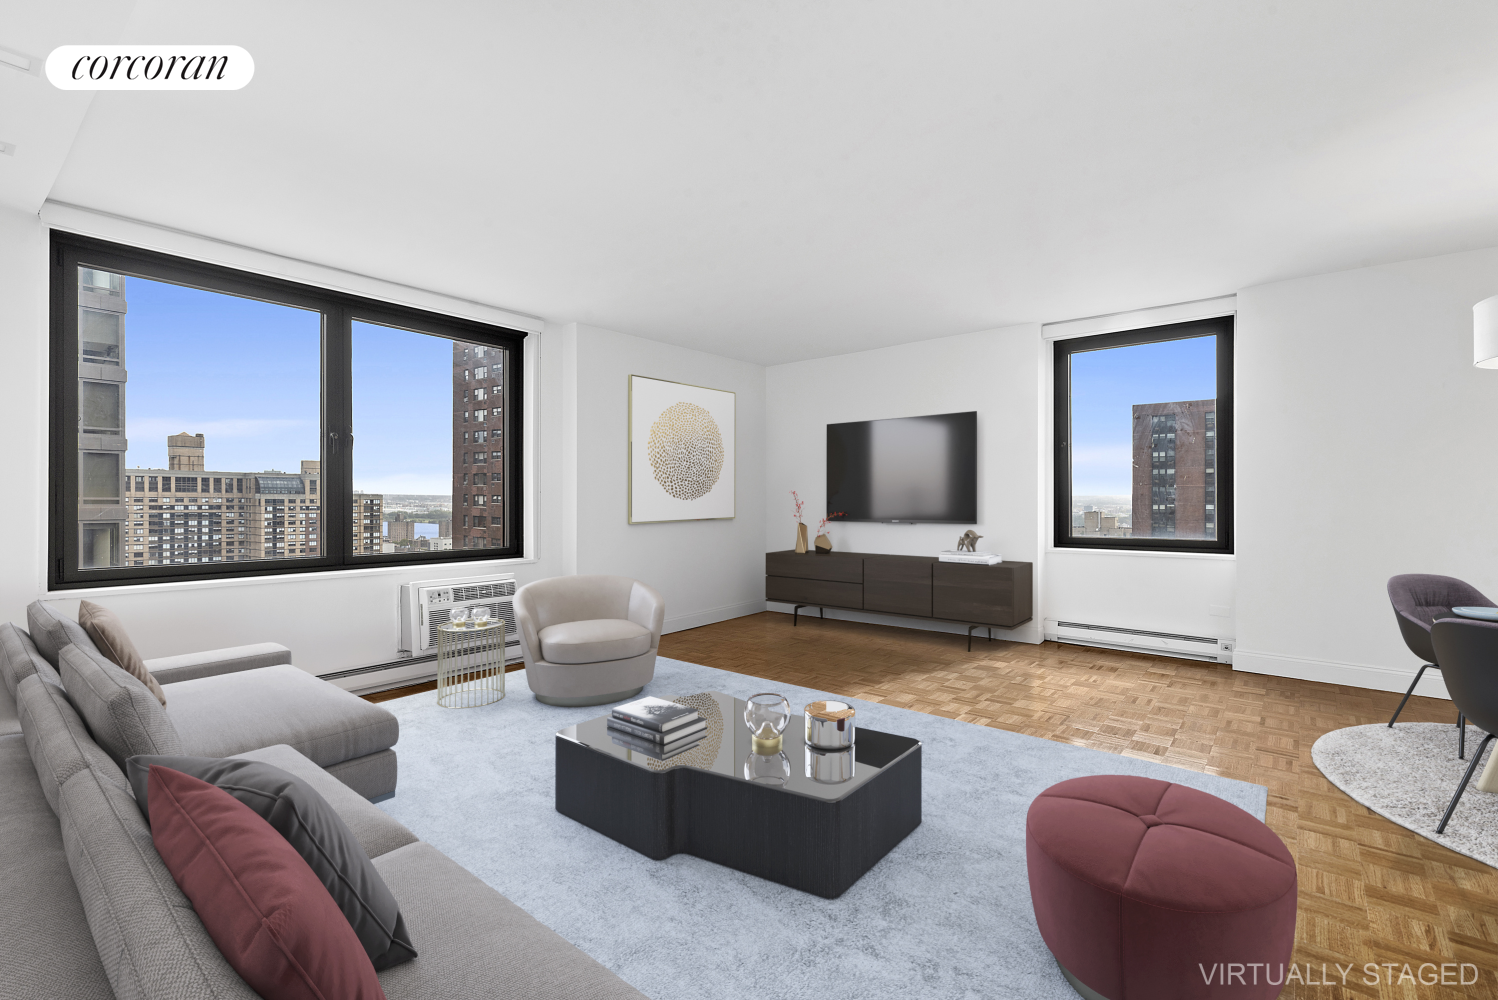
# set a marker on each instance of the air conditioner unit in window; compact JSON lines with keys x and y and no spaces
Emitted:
{"x":427,"y":605}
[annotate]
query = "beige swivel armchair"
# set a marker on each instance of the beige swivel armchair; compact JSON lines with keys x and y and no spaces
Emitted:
{"x":588,"y":640}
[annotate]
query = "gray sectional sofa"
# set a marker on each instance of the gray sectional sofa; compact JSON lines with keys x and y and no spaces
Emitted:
{"x":91,"y":910}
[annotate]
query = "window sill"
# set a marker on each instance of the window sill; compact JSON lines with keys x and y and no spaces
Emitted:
{"x":1141,"y":553}
{"x":178,"y":586}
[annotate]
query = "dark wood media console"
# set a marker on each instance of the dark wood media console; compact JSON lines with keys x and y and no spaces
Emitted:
{"x":991,"y":597}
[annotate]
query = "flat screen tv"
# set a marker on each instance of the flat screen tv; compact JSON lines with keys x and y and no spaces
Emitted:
{"x":906,"y":469}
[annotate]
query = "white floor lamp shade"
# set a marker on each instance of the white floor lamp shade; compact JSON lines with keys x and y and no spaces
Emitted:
{"x":1485,"y":333}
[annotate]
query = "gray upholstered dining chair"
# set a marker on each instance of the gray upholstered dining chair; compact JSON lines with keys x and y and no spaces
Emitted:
{"x":1467,"y":651}
{"x":1419,"y":600}
{"x":588,"y":640}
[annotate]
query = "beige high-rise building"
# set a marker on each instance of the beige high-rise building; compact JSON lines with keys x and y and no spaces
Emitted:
{"x":231,"y":516}
{"x":185,"y":452}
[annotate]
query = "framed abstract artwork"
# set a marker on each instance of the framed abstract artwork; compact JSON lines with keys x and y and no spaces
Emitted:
{"x":681,"y":451}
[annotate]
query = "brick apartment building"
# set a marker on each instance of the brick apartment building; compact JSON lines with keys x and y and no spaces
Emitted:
{"x":478,"y":447}
{"x":1175,"y":470}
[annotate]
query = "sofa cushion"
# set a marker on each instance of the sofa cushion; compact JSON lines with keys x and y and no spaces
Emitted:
{"x":594,"y":641}
{"x":372,"y":776}
{"x":56,"y":738}
{"x":123,"y":717}
{"x":476,"y":944}
{"x":263,"y":906}
{"x":48,"y":951}
{"x":53,"y":631}
{"x":376,"y":830}
{"x":10,"y":721}
{"x":309,"y":823}
{"x":19,"y":658}
{"x":228,"y":714}
{"x":108,"y":632}
{"x":151,"y":942}
{"x":188,"y":666}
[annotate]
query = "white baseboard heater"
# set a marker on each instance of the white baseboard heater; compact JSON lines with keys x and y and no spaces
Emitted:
{"x":1133,"y":640}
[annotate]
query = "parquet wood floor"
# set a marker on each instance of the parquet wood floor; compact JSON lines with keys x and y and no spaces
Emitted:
{"x":1370,"y":891}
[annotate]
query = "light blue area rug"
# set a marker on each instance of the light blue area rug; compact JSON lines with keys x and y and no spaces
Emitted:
{"x":946,"y":914}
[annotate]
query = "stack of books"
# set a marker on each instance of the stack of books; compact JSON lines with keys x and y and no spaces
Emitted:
{"x":976,"y":558}
{"x":656,"y":728}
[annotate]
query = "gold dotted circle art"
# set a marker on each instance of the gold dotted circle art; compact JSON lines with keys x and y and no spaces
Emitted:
{"x":686,"y":451}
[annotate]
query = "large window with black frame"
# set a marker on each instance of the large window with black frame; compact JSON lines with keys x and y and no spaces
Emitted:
{"x":211,"y":422}
{"x":1143,"y":432}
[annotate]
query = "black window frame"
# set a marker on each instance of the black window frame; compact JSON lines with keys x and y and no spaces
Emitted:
{"x":69,"y":251}
{"x":1220,"y":327}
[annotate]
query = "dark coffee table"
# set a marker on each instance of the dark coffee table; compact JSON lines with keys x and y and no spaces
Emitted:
{"x":765,"y":816}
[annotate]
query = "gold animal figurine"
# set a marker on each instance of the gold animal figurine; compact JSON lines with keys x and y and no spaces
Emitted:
{"x":968,"y":542}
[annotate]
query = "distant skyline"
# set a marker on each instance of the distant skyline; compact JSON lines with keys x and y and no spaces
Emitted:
{"x":1107,"y":384}
{"x":246,"y":374}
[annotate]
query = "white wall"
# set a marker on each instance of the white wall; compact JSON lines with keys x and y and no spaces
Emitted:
{"x":996,"y":372}
{"x":23,"y":411}
{"x":707,"y":571}
{"x":1365,"y":449}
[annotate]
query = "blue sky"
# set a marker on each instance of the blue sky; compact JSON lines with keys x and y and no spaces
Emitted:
{"x":403,"y":417}
{"x":246,"y":374}
{"x":1105,"y":387}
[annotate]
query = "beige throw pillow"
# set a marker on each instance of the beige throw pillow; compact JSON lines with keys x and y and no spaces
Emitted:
{"x":103,"y":626}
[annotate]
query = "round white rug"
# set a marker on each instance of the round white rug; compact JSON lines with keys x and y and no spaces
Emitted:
{"x":1408,"y":774}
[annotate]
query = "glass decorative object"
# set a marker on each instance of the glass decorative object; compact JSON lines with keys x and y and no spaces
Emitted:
{"x":458,"y":617}
{"x":767,"y":715}
{"x":767,"y":769}
{"x":481,"y":616}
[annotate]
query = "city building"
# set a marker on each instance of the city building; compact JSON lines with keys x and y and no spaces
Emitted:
{"x":1097,"y":523}
{"x":1175,"y":470}
{"x":478,"y":447}
{"x":102,"y":514}
{"x":400,"y":530}
{"x":227,"y":516}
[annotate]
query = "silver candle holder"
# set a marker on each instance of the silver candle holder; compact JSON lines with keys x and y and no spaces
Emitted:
{"x":829,"y":725}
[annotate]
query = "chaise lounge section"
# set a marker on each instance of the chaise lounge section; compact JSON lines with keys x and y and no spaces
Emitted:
{"x":225,"y":702}
{"x":91,"y":909}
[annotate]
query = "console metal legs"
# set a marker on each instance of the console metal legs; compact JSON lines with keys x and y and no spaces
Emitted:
{"x":797,"y":610}
{"x":970,"y":635}
{"x":1465,"y":778}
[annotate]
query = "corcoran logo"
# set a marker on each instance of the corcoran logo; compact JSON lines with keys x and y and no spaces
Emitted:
{"x":149,"y":67}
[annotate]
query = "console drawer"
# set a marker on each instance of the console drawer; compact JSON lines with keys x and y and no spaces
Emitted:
{"x":840,"y":567}
{"x":898,"y":585}
{"x":985,"y":594}
{"x":820,"y":592}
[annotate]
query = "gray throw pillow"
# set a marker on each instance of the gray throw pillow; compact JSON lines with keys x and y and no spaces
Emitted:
{"x":124,"y":718}
{"x":315,"y":830}
{"x":53,"y":631}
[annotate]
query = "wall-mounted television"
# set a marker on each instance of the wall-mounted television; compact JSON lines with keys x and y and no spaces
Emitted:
{"x":906,"y":469}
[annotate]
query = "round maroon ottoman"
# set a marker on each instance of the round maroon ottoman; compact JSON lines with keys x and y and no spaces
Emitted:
{"x":1146,"y":890}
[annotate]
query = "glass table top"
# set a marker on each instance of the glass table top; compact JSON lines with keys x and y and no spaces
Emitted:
{"x":726,"y":749}
{"x":1481,"y":614}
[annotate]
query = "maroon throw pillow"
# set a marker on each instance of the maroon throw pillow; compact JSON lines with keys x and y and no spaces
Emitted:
{"x":270,"y":916}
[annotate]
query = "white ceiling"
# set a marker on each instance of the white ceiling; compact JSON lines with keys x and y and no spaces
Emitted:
{"x":783,"y":179}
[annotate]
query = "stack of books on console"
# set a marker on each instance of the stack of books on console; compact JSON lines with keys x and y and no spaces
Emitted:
{"x":975,"y":558}
{"x":656,"y":728}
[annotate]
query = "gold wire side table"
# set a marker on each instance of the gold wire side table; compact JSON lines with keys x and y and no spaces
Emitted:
{"x":470,"y":665}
